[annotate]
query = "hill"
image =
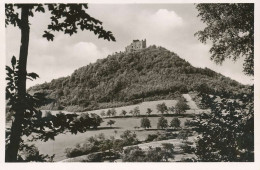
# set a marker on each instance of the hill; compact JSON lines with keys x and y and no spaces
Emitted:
{"x":129,"y":78}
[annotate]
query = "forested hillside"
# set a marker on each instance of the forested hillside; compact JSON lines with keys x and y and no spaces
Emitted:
{"x":127,"y":78}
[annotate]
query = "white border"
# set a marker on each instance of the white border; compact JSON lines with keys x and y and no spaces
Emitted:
{"x":130,"y":166}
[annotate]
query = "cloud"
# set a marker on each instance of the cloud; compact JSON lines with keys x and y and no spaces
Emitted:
{"x":51,"y":64}
{"x":157,"y":24}
{"x":86,"y":52}
{"x":170,"y":26}
{"x":165,"y":19}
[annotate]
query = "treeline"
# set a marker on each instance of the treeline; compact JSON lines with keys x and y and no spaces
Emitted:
{"x":128,"y":78}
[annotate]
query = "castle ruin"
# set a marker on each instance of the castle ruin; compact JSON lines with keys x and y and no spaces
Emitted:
{"x":136,"y":45}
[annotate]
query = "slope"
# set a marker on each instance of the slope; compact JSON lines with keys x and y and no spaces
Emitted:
{"x":129,"y":78}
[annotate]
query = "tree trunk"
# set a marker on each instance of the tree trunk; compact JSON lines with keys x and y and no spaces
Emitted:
{"x":16,"y":130}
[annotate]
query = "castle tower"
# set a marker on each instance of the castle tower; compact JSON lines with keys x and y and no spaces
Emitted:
{"x":136,"y":45}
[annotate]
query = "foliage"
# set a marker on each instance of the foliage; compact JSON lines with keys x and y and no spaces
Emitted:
{"x":187,"y":148}
{"x":30,"y":153}
{"x":113,"y":112}
{"x":131,"y":112}
{"x":133,"y":154}
{"x":111,"y":122}
{"x":8,"y":115}
{"x":101,"y":144}
{"x":151,"y":137}
{"x":175,"y":123}
{"x":108,"y":112}
{"x":168,"y":151}
{"x":228,"y":132}
{"x":34,"y":124}
{"x":64,"y":17}
{"x":136,"y":111}
{"x":123,"y":112}
{"x":163,"y":76}
{"x":181,"y":106}
{"x":230,"y":27}
{"x":162,"y":123}
{"x":136,"y":154}
{"x":184,"y":134}
{"x":102,"y":113}
{"x":145,"y":123}
{"x":149,"y":111}
{"x":172,"y":109}
{"x":129,"y":138}
{"x":162,"y":108}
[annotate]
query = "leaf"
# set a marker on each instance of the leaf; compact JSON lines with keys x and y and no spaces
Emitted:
{"x":40,"y":8}
{"x":48,"y":35}
{"x":13,"y":61}
{"x":33,"y":75}
{"x":9,"y":70}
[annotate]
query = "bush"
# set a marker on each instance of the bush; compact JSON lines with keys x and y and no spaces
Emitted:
{"x":151,"y":137}
{"x":136,"y":154}
{"x":145,"y":123}
{"x":162,"y":123}
{"x":101,"y":144}
{"x":175,"y":123}
{"x":30,"y":153}
{"x":73,"y":152}
{"x":187,"y":148}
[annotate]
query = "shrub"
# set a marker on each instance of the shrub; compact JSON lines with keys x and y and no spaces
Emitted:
{"x":175,"y":123}
{"x":187,"y":148}
{"x":162,"y":123}
{"x":145,"y":123}
{"x":111,"y":122}
{"x":151,"y":137}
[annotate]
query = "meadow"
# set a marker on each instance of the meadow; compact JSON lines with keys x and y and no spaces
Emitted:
{"x":67,"y":140}
{"x":122,"y":124}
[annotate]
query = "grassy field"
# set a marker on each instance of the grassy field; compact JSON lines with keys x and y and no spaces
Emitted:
{"x":68,"y":140}
{"x":63,"y":141}
{"x":152,"y":105}
{"x":142,"y":106}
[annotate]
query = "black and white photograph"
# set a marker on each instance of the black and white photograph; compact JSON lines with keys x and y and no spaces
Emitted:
{"x":129,"y":82}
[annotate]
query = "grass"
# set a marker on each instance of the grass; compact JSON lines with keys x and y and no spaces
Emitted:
{"x":122,"y":124}
{"x":63,"y":141}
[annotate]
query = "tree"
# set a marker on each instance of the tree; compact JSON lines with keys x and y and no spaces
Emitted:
{"x":181,"y":106}
{"x":175,"y":123}
{"x":168,"y":151}
{"x":129,"y":138}
{"x":64,"y":17}
{"x":145,"y":123}
{"x":133,"y":154}
{"x":171,"y":109}
{"x":149,"y":111}
{"x":162,"y":123}
{"x":162,"y":108}
{"x":111,"y":122}
{"x":131,"y":112}
{"x":103,"y":113}
{"x":230,"y":27}
{"x":96,"y":120}
{"x":32,"y":154}
{"x":108,"y":112}
{"x":123,"y":112}
{"x":228,"y":132}
{"x":113,"y":112}
{"x":136,"y":111}
{"x":184,"y":134}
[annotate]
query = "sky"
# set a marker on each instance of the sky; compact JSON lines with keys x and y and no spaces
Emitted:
{"x":168,"y":25}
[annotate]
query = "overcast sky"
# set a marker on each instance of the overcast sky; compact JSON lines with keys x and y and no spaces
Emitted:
{"x":168,"y":25}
